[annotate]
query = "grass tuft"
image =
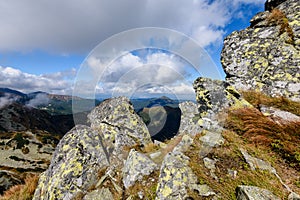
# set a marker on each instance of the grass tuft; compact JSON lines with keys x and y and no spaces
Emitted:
{"x":277,"y":17}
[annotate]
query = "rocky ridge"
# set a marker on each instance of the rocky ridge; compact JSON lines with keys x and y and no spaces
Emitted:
{"x":115,"y":158}
{"x":266,"y":55}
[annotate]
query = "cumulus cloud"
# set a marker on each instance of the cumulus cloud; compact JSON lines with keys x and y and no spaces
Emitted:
{"x":25,"y":82}
{"x":151,"y":73}
{"x":77,"y":26}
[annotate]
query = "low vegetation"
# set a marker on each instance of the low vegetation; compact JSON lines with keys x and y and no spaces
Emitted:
{"x":22,"y":192}
{"x":277,"y":17}
{"x":282,"y":103}
{"x":229,"y":159}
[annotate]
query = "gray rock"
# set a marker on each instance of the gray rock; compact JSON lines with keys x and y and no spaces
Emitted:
{"x":265,"y":56}
{"x":8,"y":179}
{"x":184,"y":144}
{"x":214,"y":96}
{"x":77,"y":158}
{"x":189,"y":118}
{"x":256,"y":163}
{"x":176,"y":177}
{"x":136,"y":167}
{"x":119,"y":124}
{"x":99,"y":194}
{"x":254,"y":193}
{"x":211,"y":165}
{"x":279,"y":115}
{"x":209,"y":141}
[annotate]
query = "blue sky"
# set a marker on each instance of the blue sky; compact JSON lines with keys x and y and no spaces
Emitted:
{"x":43,"y":43}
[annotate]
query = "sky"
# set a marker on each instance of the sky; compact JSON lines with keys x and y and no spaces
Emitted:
{"x":96,"y":47}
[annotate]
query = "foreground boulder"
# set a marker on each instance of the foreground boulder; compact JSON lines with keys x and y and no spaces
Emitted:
{"x":77,"y":158}
{"x":84,"y":151}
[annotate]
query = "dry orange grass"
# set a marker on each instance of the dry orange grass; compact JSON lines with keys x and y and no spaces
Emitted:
{"x":277,"y":17}
{"x":282,"y":138}
{"x":257,"y":98}
{"x":22,"y":192}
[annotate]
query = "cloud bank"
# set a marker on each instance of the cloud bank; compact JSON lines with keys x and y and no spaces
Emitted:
{"x":59,"y":82}
{"x":76,"y":26}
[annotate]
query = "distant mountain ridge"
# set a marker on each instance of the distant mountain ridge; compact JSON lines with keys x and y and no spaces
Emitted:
{"x":54,"y":104}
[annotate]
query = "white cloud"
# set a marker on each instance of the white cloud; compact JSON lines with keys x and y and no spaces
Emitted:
{"x":77,"y":26}
{"x":6,"y":100}
{"x":40,"y":99}
{"x":153,"y":73}
{"x":25,"y":82}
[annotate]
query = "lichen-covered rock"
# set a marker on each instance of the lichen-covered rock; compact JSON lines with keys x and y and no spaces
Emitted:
{"x":215,"y":95}
{"x":189,"y":118}
{"x":119,"y":123}
{"x":136,"y":166}
{"x":254,"y":193}
{"x":75,"y":163}
{"x":211,"y":165}
{"x":266,"y":55}
{"x":176,"y":177}
{"x":99,"y":194}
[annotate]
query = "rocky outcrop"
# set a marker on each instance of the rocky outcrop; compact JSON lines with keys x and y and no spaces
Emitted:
{"x":177,"y":178}
{"x":266,"y":55}
{"x":271,"y":4}
{"x":84,"y":150}
{"x":119,"y":124}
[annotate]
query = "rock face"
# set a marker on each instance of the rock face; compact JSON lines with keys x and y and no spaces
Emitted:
{"x":119,"y":124}
{"x":189,"y":118}
{"x":214,"y":95}
{"x":266,"y":55}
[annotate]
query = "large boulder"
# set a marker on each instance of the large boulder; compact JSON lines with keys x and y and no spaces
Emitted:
{"x":266,"y":55}
{"x":76,"y":161}
{"x":119,"y":124}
